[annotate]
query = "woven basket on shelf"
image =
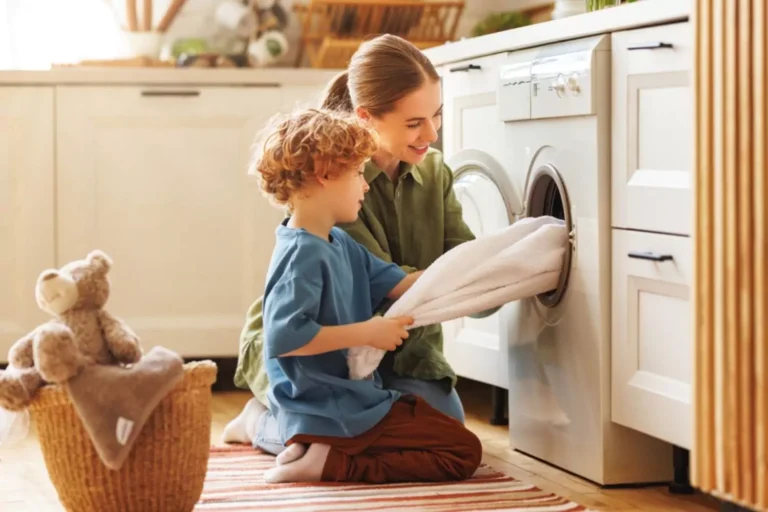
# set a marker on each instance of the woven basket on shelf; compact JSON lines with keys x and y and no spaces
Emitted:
{"x":166,"y":467}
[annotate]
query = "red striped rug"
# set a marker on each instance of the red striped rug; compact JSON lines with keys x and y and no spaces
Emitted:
{"x":234,"y":483}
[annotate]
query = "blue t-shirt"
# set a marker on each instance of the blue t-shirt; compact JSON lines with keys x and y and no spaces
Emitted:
{"x":312,"y":283}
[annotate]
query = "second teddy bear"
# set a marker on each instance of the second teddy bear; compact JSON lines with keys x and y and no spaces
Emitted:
{"x":81,"y":333}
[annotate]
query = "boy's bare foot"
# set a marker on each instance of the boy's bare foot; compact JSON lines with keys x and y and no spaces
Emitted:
{"x":292,"y":453}
{"x":243,"y":429}
{"x":308,"y":468}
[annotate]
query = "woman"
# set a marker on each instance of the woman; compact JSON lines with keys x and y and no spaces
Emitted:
{"x":410,"y":216}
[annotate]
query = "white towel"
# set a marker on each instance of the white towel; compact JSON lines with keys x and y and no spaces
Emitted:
{"x":520,"y":261}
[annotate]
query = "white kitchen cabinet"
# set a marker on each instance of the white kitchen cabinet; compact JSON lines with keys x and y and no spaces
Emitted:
{"x":26,"y":206}
{"x":473,"y":149}
{"x":652,"y":335}
{"x":156,"y":177}
{"x":470,"y":117}
{"x":653,"y":128}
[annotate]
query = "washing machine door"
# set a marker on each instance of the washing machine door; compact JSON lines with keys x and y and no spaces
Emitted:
{"x":474,"y":345}
{"x":489,"y":201}
{"x":547,"y":195}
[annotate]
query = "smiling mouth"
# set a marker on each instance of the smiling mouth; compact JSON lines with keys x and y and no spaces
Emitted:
{"x":419,"y":149}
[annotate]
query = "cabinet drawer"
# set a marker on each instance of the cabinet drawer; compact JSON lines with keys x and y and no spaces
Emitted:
{"x":470,"y":112}
{"x":652,"y":357}
{"x":474,"y":76}
{"x":652,"y":142}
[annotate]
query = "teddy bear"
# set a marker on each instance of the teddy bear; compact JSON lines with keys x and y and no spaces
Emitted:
{"x":81,"y":333}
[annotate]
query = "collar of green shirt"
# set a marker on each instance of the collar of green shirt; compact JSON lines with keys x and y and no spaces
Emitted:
{"x":373,"y":171}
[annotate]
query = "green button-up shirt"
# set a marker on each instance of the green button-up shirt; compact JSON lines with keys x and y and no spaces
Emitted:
{"x":411,"y":221}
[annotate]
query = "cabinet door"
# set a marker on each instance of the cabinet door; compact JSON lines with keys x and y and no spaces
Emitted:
{"x":470,"y":116}
{"x":157,"y":179}
{"x":653,"y":129}
{"x":26,"y":206}
{"x":652,"y":335}
{"x":473,"y":147}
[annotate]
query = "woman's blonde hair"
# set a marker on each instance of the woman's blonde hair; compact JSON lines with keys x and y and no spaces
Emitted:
{"x":306,"y":145}
{"x":382,"y":71}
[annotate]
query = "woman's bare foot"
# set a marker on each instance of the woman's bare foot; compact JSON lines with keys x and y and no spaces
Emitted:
{"x":292,"y":453}
{"x":243,"y":429}
{"x":308,"y":468}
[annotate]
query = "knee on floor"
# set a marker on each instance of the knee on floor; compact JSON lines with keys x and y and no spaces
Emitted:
{"x":472,"y":454}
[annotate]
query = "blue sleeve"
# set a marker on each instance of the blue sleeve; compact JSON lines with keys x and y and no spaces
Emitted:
{"x":290,"y":315}
{"x":382,"y":276}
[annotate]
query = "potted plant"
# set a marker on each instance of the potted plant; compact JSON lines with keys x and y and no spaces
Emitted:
{"x":595,"y":5}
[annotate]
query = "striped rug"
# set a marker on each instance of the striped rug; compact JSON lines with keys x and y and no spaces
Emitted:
{"x":234,"y":483}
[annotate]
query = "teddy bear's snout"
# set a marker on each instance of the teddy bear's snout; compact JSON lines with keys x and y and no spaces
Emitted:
{"x":57,"y":293}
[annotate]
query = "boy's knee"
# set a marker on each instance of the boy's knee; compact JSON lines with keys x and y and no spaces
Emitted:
{"x":471,"y":454}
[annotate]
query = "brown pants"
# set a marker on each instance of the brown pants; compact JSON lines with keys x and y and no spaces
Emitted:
{"x":413,"y":443}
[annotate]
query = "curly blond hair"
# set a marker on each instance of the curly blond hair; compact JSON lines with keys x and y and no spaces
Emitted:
{"x":306,"y":145}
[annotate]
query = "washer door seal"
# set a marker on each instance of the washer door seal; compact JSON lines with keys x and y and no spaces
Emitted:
{"x":547,"y":195}
{"x":480,"y":183}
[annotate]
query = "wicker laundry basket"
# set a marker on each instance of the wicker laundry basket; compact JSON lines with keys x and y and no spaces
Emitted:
{"x":166,"y":467}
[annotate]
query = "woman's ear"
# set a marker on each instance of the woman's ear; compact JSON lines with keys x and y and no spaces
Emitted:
{"x":363,"y":114}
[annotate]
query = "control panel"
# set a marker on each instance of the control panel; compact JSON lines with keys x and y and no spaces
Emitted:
{"x":514,"y":87}
{"x":552,"y":81}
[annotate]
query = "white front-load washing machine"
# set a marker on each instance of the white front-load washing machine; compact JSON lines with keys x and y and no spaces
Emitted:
{"x":556,"y":114}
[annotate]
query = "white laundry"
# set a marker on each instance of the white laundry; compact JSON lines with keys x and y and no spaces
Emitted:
{"x":520,"y":261}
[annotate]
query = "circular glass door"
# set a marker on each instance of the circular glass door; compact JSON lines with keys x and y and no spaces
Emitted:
{"x":547,"y":195}
{"x":487,"y":200}
{"x":483,"y":206}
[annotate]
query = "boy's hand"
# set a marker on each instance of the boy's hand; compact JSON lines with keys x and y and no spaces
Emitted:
{"x":386,"y":333}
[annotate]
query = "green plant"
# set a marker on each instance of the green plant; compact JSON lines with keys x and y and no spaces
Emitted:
{"x":595,"y":5}
{"x":497,"y":22}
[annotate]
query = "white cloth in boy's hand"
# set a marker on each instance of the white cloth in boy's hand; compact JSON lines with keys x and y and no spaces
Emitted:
{"x":520,"y":261}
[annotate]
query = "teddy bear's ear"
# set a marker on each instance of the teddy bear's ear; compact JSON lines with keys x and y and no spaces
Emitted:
{"x":47,"y":275}
{"x":99,"y":260}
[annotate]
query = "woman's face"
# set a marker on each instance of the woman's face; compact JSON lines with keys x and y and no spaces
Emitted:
{"x":407,"y":132}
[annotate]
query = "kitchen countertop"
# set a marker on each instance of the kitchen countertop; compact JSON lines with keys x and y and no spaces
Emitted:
{"x":629,"y":16}
{"x":268,"y":77}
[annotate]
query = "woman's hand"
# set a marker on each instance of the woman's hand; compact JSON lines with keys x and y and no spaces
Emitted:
{"x":386,"y":333}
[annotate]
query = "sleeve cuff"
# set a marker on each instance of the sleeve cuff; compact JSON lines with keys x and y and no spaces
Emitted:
{"x":388,"y":279}
{"x":290,"y":341}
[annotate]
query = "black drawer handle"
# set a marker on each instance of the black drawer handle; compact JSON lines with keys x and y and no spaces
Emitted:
{"x":468,"y":67}
{"x":161,"y":93}
{"x":649,"y":46}
{"x":651,"y":256}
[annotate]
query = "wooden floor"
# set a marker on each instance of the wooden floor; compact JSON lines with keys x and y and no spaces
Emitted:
{"x":24,"y":486}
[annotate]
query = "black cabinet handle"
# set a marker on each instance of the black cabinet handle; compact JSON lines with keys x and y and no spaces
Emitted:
{"x":651,"y":256}
{"x":161,"y":92}
{"x":649,"y":46}
{"x":468,"y":67}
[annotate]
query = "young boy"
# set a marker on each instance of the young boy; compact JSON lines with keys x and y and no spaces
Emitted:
{"x":322,"y":288}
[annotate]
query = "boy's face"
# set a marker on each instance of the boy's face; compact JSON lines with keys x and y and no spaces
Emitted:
{"x":346,"y":194}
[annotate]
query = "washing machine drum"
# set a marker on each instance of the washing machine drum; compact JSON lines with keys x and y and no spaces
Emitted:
{"x":488,"y":200}
{"x":546,"y":194}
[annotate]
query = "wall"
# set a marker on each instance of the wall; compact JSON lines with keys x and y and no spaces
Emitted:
{"x":197,"y":17}
{"x":88,"y":29}
{"x":476,"y":10}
